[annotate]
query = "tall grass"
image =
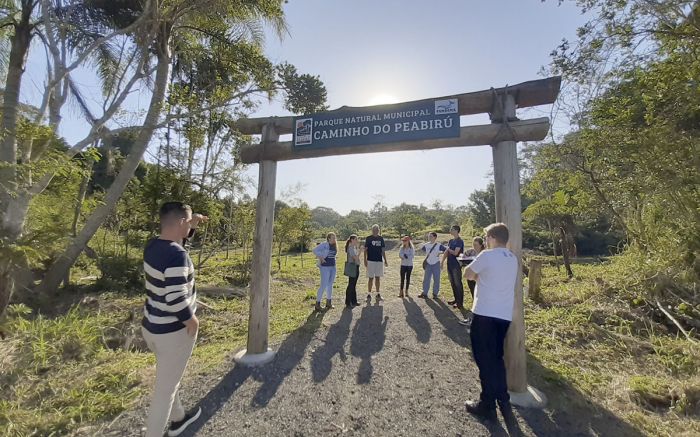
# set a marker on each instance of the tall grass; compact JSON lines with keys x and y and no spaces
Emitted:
{"x":596,"y":334}
{"x":57,"y":373}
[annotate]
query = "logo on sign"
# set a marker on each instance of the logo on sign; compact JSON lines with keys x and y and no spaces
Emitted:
{"x":447,"y":106}
{"x":303,"y":131}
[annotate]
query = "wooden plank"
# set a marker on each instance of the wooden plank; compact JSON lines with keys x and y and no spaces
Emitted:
{"x":534,"y":281}
{"x":527,"y":94}
{"x":258,"y":322}
{"x":507,"y":190}
{"x":525,"y":130}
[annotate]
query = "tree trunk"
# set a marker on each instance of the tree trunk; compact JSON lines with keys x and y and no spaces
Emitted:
{"x":81,"y":198}
{"x":565,"y":252}
{"x":210,"y":141}
{"x":534,"y":280}
{"x":58,"y":269}
{"x":154,"y":226}
{"x":78,"y":209}
{"x":12,"y":222}
{"x":554,"y":244}
{"x":279,"y":256}
{"x":12,"y":225}
{"x":190,"y":161}
{"x":167,"y":132}
{"x":7,"y":283}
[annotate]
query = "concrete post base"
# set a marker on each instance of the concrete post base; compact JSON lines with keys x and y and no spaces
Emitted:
{"x":532,"y":398}
{"x":253,"y":360}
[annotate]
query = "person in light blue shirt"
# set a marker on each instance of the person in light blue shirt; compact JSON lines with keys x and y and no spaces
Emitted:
{"x":326,"y":253}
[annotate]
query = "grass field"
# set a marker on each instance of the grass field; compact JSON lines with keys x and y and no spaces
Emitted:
{"x":61,"y":372}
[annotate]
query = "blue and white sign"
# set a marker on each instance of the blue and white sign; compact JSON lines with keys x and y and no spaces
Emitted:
{"x":422,"y":120}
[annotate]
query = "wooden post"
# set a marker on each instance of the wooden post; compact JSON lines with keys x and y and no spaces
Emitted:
{"x":507,"y":189}
{"x":257,"y":352}
{"x":535,"y":280}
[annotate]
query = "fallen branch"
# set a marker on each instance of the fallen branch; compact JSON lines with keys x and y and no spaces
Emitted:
{"x":114,"y":421}
{"x":626,"y":339}
{"x":209,"y":307}
{"x":675,"y":322}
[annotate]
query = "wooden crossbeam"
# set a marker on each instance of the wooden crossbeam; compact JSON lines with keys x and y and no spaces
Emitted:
{"x":527,"y":94}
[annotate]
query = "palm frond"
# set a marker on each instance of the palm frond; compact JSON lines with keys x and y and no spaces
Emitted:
{"x":9,"y":7}
{"x":5,"y":47}
{"x":107,"y":65}
{"x":249,"y":30}
{"x":79,"y":100}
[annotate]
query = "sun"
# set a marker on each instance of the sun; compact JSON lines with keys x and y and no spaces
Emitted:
{"x":382,"y":99}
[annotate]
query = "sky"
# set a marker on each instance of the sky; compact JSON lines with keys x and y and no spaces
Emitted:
{"x":373,"y":52}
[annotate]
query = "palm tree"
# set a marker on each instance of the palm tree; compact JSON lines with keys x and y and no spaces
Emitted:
{"x":21,"y":22}
{"x":171,"y":27}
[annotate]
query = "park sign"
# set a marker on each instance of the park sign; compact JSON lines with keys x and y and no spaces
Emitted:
{"x":411,"y":121}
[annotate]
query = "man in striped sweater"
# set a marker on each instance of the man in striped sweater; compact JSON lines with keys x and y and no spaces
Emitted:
{"x":169,"y":323}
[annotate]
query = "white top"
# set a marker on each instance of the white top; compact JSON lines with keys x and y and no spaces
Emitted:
{"x":495,"y":286}
{"x":406,"y":255}
{"x":434,"y":256}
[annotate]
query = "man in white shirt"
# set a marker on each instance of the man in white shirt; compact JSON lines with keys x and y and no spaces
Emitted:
{"x":495,"y":272}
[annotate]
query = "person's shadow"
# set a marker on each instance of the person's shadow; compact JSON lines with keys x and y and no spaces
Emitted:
{"x":334,"y":344}
{"x":417,"y":321}
{"x":288,"y":356}
{"x":368,"y":338}
{"x":449,"y":321}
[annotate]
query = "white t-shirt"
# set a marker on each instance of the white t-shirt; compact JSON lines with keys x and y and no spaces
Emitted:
{"x":495,"y":286}
{"x":406,"y":260}
{"x":434,"y":256}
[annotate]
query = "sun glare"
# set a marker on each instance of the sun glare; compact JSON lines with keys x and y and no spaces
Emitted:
{"x":382,"y":99}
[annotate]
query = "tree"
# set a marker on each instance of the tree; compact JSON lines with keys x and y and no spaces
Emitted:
{"x":356,"y":221}
{"x":325,"y":217}
{"x":208,"y":23}
{"x":22,"y":177}
{"x":407,"y":219}
{"x":378,"y":213}
{"x":482,"y":206}
{"x":289,"y":227}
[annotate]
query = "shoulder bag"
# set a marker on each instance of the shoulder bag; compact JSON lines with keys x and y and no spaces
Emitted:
{"x":425,"y":261}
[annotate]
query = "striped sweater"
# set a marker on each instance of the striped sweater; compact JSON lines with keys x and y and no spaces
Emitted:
{"x":171,"y":294}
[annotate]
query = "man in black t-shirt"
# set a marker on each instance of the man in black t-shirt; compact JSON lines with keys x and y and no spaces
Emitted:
{"x":374,"y":254}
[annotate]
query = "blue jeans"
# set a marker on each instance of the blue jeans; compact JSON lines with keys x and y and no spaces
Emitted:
{"x":327,"y":279}
{"x":431,"y":270}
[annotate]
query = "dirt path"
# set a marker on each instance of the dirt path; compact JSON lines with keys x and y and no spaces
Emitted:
{"x":395,"y":368}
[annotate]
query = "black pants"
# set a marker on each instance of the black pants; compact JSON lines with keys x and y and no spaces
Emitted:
{"x":472,"y":287}
{"x":488,"y":335}
{"x":406,"y":276}
{"x":351,"y":291}
{"x":455,"y":274}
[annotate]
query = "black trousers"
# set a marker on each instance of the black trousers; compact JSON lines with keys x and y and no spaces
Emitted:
{"x":488,"y":335}
{"x":351,"y":291}
{"x":406,"y":276}
{"x":455,"y":274}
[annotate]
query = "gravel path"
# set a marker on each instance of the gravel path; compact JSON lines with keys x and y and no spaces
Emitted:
{"x":394,"y":368}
